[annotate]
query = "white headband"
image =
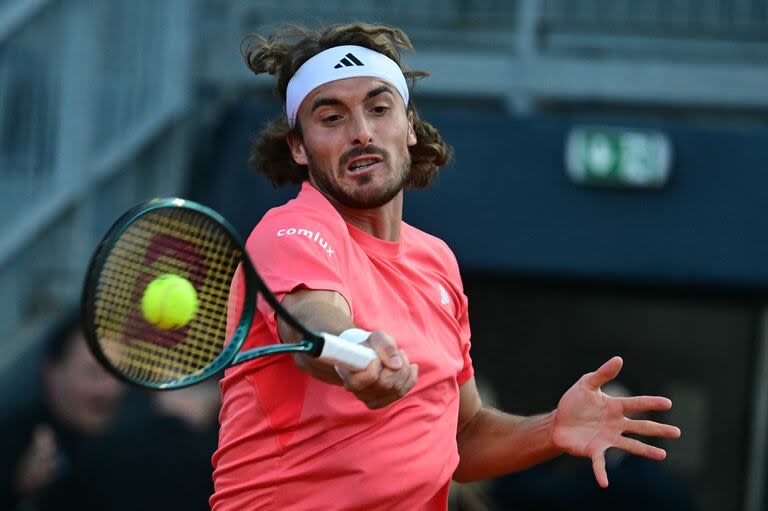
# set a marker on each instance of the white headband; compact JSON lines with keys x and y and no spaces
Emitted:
{"x":338,"y":63}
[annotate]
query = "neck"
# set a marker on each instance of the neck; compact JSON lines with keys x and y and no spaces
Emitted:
{"x":383,"y":222}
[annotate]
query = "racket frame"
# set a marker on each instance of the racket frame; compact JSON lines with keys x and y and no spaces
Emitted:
{"x":311,"y":343}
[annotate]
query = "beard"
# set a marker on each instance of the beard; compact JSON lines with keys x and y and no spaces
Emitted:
{"x":360,"y":199}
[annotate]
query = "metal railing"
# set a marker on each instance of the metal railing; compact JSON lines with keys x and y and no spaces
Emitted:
{"x":28,"y":118}
{"x":434,"y":14}
{"x":79,"y":84}
{"x":446,"y":24}
{"x":730,"y":20}
{"x":720,"y":19}
{"x":85,"y":88}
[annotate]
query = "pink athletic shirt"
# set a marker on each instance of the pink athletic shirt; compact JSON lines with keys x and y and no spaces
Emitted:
{"x":289,"y":441}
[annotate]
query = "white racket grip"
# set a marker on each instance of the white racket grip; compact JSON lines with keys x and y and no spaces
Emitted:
{"x":337,"y":351}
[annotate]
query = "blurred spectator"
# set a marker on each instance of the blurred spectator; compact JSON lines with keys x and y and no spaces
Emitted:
{"x":49,"y":414}
{"x":72,"y":438}
{"x":162,"y":461}
{"x":567,"y":483}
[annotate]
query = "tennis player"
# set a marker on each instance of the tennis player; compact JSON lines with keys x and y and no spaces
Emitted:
{"x":297,"y":434}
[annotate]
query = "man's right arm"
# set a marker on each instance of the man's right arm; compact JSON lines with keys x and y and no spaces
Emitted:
{"x":381,"y":383}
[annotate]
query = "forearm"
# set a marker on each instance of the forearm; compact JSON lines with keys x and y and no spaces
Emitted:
{"x":319,"y":311}
{"x":494,"y":443}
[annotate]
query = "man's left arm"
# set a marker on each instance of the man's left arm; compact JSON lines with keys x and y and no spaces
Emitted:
{"x":492,"y":443}
{"x":585,"y":423}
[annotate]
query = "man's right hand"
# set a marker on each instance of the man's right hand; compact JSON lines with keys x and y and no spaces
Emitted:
{"x":386,"y":379}
{"x":38,"y":465}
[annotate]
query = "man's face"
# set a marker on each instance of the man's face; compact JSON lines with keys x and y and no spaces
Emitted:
{"x":356,"y":134}
{"x":82,"y":394}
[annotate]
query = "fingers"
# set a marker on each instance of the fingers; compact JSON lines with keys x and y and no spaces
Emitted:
{"x":44,"y":441}
{"x":401,"y":381}
{"x":38,"y":464}
{"x":379,"y":385}
{"x":380,"y":401}
{"x":390,"y":387}
{"x":638,"y":404}
{"x":387,"y":350}
{"x":396,"y":379}
{"x":650,"y":428}
{"x":639,"y":448}
{"x":356,"y":381}
{"x":376,"y":374}
{"x":630,"y":445}
{"x":598,"y":467}
{"x":606,"y":373}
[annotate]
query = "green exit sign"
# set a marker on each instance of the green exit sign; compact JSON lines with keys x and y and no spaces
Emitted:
{"x":608,"y":156}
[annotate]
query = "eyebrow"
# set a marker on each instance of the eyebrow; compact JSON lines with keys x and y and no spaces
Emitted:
{"x":378,"y":90}
{"x":333,"y":101}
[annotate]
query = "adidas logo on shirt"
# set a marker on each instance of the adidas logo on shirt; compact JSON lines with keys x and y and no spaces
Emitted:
{"x":444,"y":298}
{"x":348,"y":61}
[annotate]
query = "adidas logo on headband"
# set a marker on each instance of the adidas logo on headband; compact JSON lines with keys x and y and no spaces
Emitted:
{"x":344,"y":61}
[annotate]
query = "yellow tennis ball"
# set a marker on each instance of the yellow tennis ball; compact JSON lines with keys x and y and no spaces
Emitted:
{"x":169,"y":302}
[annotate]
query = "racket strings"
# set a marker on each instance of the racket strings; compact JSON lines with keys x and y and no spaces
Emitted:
{"x":167,"y":240}
{"x":198,"y":357}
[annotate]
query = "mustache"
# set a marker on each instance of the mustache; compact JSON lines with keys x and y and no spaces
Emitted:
{"x":361,"y":151}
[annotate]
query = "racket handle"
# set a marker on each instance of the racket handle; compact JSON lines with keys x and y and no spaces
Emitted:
{"x":337,"y":351}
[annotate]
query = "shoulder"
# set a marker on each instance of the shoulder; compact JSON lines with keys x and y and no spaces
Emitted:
{"x":304,"y":229}
{"x":309,"y":215}
{"x":433,"y":246}
{"x":434,"y":253}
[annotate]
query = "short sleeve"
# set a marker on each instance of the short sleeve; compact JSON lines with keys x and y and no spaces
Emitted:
{"x":467,"y":371}
{"x":462,"y":314}
{"x":292,"y":251}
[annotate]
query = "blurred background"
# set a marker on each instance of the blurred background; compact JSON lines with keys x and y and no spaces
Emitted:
{"x":609,"y":196}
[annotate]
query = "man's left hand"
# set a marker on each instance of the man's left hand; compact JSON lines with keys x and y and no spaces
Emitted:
{"x":588,"y":421}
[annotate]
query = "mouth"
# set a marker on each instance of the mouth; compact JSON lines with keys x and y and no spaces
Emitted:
{"x":363,"y":163}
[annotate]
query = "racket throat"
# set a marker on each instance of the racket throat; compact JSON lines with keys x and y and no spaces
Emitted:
{"x":277,"y":349}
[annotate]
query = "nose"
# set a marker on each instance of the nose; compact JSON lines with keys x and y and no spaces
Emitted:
{"x":360,"y":131}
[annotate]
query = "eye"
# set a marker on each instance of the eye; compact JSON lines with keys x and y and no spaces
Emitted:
{"x":331,"y":119}
{"x":380,"y":109}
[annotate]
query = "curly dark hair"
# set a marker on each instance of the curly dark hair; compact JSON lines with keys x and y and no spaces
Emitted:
{"x":285,"y":50}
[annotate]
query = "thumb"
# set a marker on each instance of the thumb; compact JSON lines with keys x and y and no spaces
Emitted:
{"x":386,"y":348}
{"x":607,"y":372}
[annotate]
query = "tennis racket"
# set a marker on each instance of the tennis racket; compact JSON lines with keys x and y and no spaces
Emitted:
{"x":182,"y":238}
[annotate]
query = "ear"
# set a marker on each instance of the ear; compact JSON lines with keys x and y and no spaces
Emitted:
{"x":298,"y":151}
{"x":411,"y":132}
